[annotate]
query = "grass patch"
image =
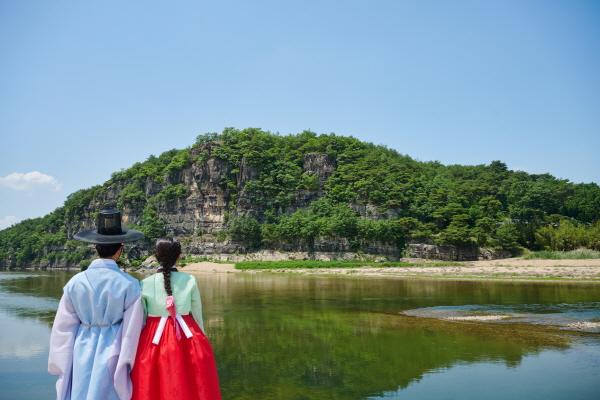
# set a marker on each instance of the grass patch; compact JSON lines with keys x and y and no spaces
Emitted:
{"x":579,"y":254}
{"x":311,"y":264}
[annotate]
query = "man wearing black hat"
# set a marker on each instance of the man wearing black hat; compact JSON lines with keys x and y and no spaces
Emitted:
{"x":98,"y":322}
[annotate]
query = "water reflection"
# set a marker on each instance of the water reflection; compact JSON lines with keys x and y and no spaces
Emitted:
{"x":25,"y":339}
{"x":568,"y":374}
{"x":329,"y":355}
{"x":32,"y":296}
{"x":28,"y":302}
{"x":289,"y":337}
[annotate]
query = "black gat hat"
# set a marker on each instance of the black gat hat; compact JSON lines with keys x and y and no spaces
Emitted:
{"x":108,"y":230}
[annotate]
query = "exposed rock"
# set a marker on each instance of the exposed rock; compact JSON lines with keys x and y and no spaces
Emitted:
{"x":493,"y":254}
{"x":453,"y":253}
{"x":246,"y":174}
{"x":149,"y":263}
{"x":320,"y":165}
{"x":276,"y":255}
{"x":212,"y":247}
{"x":152,"y":188}
{"x":442,"y":252}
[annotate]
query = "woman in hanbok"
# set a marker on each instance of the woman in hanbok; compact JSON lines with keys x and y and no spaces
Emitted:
{"x":174,"y":358}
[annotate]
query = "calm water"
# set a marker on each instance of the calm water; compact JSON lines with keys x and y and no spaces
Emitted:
{"x":290,"y":337}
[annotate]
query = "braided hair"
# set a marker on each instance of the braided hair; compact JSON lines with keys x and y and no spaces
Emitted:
{"x":167,"y":251}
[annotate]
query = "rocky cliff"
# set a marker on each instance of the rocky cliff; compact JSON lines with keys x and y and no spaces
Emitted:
{"x":200,"y":215}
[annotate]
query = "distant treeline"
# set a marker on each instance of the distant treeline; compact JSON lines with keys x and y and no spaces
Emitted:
{"x":483,"y":205}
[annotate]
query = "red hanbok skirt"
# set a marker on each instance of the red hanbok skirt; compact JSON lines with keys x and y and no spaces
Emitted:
{"x":175,"y":369}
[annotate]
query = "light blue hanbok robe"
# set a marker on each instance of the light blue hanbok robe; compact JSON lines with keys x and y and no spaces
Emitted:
{"x":95,"y":334}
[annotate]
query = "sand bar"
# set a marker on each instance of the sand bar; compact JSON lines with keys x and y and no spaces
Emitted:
{"x":506,"y":269}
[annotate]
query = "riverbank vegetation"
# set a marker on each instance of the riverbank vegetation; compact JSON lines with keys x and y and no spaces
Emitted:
{"x":579,"y":254}
{"x":302,"y":190}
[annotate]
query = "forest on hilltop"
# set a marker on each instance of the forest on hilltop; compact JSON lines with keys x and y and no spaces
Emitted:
{"x":481,"y":205}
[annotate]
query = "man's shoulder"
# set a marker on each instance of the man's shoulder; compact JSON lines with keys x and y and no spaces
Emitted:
{"x":73,"y":281}
{"x":131,"y":279}
{"x":114,"y":275}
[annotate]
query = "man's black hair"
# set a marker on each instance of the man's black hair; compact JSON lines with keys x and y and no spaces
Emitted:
{"x":107,"y":250}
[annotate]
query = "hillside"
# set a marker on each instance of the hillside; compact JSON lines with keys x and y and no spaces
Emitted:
{"x":242,"y":190}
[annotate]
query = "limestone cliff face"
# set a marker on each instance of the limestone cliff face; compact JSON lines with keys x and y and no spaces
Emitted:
{"x":198,"y":217}
{"x":320,"y":165}
{"x":203,"y":209}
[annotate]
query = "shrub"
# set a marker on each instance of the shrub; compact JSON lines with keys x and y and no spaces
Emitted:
{"x":245,"y":230}
{"x":172,"y":192}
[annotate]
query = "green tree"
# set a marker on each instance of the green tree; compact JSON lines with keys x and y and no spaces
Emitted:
{"x":458,"y":233}
{"x":245,"y":230}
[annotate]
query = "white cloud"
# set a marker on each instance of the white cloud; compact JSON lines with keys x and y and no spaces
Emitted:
{"x":29,"y":180}
{"x":7,"y":221}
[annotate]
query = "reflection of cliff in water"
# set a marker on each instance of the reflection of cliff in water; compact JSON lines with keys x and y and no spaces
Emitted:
{"x":299,"y":354}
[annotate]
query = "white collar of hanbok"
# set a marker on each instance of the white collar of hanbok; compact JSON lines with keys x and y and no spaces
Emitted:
{"x":104,"y":263}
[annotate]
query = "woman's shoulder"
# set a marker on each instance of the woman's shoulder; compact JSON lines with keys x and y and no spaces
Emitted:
{"x":183,"y":276}
{"x":176,"y":274}
{"x":150,"y":279}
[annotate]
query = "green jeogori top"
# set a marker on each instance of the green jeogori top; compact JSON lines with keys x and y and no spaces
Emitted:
{"x":185,"y":292}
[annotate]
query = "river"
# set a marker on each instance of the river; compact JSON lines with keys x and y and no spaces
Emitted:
{"x":283,"y":337}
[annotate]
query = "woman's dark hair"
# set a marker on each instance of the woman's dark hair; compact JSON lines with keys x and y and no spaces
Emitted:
{"x":166,"y":253}
{"x":107,"y":250}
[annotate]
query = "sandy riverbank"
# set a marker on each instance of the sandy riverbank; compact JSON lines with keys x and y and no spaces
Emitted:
{"x":209,"y":267}
{"x":506,"y":269}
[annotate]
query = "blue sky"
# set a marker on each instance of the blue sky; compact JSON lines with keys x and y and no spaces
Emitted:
{"x":87,"y":89}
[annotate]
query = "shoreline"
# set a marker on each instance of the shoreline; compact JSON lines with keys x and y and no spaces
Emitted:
{"x":513,"y":269}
